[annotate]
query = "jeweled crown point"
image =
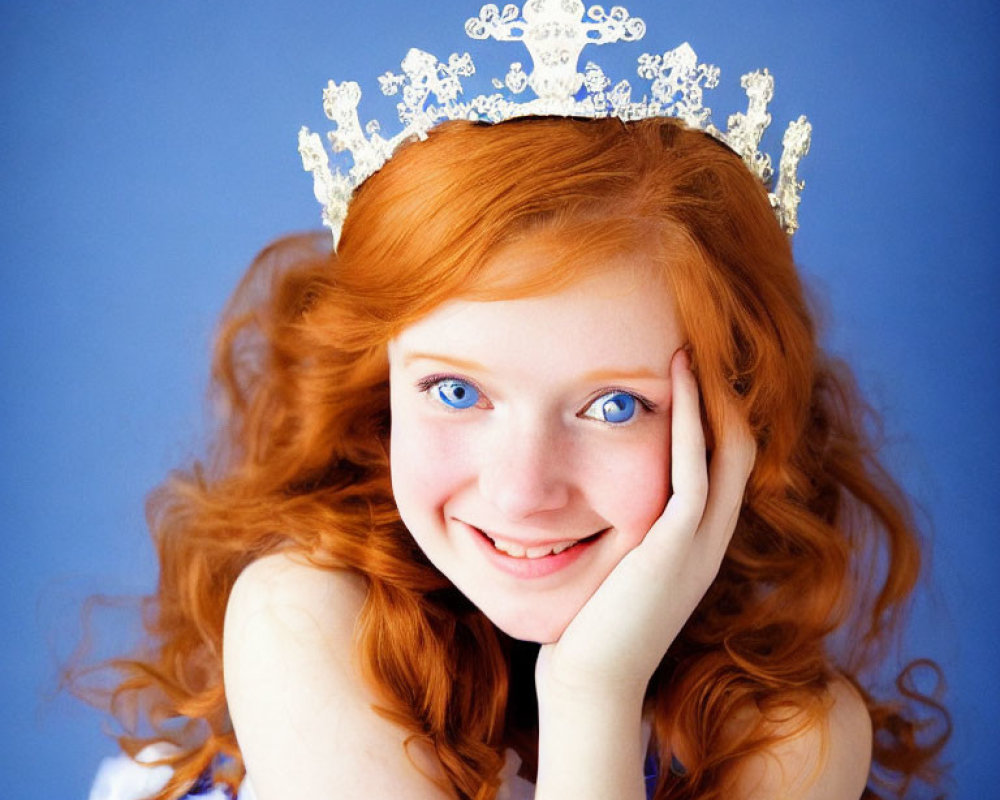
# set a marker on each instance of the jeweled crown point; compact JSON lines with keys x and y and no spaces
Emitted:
{"x":555,"y":32}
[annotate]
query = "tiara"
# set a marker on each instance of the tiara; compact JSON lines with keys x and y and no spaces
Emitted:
{"x":555,"y":33}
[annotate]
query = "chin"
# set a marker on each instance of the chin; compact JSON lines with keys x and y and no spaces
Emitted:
{"x":533,"y":629}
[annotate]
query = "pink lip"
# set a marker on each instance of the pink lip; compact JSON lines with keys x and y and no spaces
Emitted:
{"x":529,"y":567}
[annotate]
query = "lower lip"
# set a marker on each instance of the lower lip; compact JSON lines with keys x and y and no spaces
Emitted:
{"x":528,"y":568}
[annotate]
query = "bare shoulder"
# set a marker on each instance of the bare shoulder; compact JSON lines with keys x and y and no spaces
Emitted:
{"x":285,"y":588}
{"x":302,"y":714}
{"x":829,"y":759}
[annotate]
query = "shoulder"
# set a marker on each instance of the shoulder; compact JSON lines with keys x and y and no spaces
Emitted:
{"x":287,"y":645}
{"x":282,"y":594}
{"x":303,"y":716}
{"x":828,"y":758}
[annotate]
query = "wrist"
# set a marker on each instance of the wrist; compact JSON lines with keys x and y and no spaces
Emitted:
{"x":565,"y":686}
{"x":566,"y":697}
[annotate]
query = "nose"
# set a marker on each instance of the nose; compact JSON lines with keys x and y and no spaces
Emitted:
{"x":525,"y":471}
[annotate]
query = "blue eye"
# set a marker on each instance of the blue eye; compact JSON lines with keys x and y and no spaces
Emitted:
{"x":455,"y":393}
{"x":615,"y":408}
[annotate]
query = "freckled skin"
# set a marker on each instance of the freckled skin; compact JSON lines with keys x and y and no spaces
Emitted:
{"x":533,"y":461}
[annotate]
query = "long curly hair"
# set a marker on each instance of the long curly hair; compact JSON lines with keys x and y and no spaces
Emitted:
{"x":823,"y":559}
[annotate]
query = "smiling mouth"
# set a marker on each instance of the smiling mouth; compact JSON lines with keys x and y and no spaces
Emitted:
{"x":515,"y":550}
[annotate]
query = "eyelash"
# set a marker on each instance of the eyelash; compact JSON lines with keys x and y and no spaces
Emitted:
{"x":647,"y":406}
{"x":424,"y":385}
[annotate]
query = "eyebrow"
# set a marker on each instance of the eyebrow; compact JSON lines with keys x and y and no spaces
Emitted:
{"x":458,"y":363}
{"x":595,"y":376}
{"x":642,"y":373}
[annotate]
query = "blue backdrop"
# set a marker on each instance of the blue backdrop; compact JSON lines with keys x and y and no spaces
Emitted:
{"x":148,"y":151}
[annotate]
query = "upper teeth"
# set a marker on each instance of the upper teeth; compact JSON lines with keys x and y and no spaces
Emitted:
{"x":520,"y":551}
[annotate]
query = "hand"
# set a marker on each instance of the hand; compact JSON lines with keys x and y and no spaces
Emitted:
{"x":618,"y":638}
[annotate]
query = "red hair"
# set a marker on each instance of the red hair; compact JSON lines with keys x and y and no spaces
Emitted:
{"x":300,"y":460}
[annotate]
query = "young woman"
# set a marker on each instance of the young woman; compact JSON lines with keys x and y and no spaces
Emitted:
{"x":539,"y":484}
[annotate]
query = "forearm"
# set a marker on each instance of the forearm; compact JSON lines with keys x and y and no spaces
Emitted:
{"x":590,"y":747}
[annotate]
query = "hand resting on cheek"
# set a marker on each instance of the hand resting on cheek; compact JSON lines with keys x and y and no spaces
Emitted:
{"x":620,"y":636}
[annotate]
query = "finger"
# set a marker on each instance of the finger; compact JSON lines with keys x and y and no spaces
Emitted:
{"x":688,"y":470}
{"x":732,"y":462}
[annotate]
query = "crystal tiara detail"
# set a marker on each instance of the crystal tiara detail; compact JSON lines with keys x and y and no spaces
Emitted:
{"x":555,"y":33}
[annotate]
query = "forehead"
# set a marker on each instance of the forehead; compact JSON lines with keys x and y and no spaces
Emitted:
{"x":619,"y":316}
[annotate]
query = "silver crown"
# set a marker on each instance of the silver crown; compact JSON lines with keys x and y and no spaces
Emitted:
{"x":555,"y":33}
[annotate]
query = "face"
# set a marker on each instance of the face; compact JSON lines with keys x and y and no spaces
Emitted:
{"x":531,"y":438}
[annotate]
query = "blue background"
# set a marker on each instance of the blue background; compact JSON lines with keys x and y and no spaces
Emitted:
{"x":148,"y":151}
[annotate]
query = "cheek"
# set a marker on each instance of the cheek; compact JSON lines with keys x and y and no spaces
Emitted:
{"x":428,"y":462}
{"x":633,"y":485}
